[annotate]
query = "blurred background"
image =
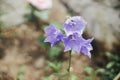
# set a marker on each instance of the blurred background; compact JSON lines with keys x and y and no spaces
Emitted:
{"x":25,"y":56}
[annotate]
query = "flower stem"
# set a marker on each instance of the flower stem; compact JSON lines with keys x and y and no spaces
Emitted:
{"x":69,"y":65}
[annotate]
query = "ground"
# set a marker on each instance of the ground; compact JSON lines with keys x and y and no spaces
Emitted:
{"x":20,"y":50}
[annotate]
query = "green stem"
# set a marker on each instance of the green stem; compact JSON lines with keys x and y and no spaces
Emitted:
{"x":69,"y":65}
{"x":34,"y":18}
{"x":32,"y":12}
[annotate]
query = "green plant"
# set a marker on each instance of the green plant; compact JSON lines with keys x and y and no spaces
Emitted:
{"x":56,"y":66}
{"x":92,"y":74}
{"x":21,"y":72}
{"x":112,"y":68}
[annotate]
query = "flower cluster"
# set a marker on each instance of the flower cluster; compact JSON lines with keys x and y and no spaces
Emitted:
{"x":73,"y":40}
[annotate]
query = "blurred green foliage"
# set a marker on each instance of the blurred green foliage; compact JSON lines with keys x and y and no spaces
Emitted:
{"x":42,"y":43}
{"x":92,"y":74}
{"x":54,"y":52}
{"x":112,"y":68}
{"x":56,"y":66}
{"x":21,"y":72}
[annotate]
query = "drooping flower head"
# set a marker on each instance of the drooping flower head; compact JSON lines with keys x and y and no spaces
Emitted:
{"x":74,"y":25}
{"x":73,"y":40}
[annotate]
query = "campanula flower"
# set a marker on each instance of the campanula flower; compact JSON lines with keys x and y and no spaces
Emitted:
{"x":74,"y":25}
{"x":77,"y":43}
{"x":73,"y":40}
{"x":53,"y":35}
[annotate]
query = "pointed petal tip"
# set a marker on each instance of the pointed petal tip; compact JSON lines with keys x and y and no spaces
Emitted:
{"x":52,"y":45}
{"x":89,"y":55}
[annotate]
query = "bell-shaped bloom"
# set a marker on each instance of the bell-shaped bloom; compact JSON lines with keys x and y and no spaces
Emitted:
{"x":77,"y":43}
{"x":41,"y":4}
{"x":73,"y":42}
{"x":53,"y":35}
{"x":74,"y":25}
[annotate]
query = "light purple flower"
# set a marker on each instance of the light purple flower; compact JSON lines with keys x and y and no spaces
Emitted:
{"x":74,"y":25}
{"x":73,"y":40}
{"x":77,"y":43}
{"x":53,"y":35}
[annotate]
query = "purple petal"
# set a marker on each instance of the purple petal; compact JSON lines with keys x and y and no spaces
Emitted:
{"x":74,"y":25}
{"x":87,"y":47}
{"x":73,"y":42}
{"x":85,"y":51}
{"x":53,"y":35}
{"x":50,"y":30}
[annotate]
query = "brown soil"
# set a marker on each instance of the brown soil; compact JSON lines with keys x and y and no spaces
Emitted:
{"x":19,"y":47}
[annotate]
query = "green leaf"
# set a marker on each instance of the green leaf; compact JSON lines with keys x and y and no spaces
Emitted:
{"x":109,"y":55}
{"x":21,"y":72}
{"x":20,"y":77}
{"x":110,"y":64}
{"x":48,"y":78}
{"x":54,"y":51}
{"x":99,"y":71}
{"x":74,"y":77}
{"x":89,"y":70}
{"x":22,"y":69}
{"x":55,"y":65}
{"x":41,"y":41}
{"x":44,"y":15}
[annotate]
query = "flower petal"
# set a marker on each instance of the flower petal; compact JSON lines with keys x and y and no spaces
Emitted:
{"x":54,"y":35}
{"x":74,"y":25}
{"x":85,"y":51}
{"x":72,"y":42}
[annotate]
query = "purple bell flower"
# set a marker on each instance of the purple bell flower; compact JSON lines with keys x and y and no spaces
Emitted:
{"x":77,"y":43}
{"x":53,"y":35}
{"x":74,"y":25}
{"x":73,"y":40}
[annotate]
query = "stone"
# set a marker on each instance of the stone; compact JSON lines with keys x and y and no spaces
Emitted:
{"x":12,"y":12}
{"x":103,"y":20}
{"x":58,"y":12}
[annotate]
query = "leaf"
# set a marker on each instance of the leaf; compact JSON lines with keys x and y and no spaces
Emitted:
{"x":109,"y":55}
{"x":44,"y":15}
{"x":110,"y":64}
{"x":21,"y":72}
{"x":41,"y":41}
{"x":22,"y":69}
{"x":74,"y":77}
{"x":55,"y":65}
{"x":99,"y":71}
{"x":20,"y":77}
{"x":48,"y":78}
{"x":54,"y":51}
{"x":89,"y":70}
